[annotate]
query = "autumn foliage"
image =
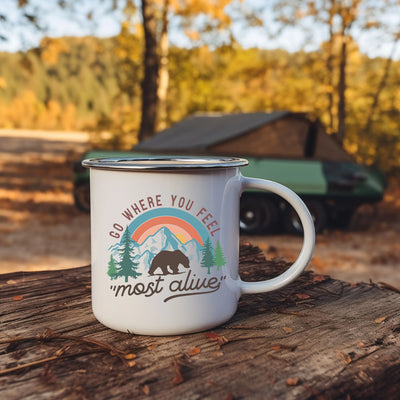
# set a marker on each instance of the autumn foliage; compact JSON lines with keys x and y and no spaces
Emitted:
{"x":91,"y":83}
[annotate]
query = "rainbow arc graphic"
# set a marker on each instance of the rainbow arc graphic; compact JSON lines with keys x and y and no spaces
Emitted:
{"x":182,"y":224}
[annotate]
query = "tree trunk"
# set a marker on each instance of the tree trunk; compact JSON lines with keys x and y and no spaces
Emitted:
{"x":163,"y":82}
{"x":342,"y":92}
{"x":329,"y":67}
{"x":381,"y":86}
{"x":348,"y":14}
{"x":151,"y":66}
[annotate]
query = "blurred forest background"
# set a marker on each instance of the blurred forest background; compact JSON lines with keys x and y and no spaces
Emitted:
{"x":126,"y":87}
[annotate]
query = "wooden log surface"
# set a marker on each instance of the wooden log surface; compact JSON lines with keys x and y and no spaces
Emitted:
{"x":317,"y":338}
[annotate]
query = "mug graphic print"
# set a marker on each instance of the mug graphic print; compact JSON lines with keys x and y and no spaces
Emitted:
{"x":165,"y":242}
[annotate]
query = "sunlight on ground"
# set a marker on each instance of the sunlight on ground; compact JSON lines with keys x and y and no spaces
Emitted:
{"x":81,"y":137}
{"x":40,"y":227}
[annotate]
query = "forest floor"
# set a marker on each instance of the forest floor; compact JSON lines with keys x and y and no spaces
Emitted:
{"x":41,"y":229}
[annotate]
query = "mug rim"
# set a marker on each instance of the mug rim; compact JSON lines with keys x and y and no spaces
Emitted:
{"x":163,"y":163}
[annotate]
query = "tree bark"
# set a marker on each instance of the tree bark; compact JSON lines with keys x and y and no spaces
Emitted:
{"x":317,"y":338}
{"x":151,"y":67}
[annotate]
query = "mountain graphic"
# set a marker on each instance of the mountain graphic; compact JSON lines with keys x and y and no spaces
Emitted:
{"x":163,"y":239}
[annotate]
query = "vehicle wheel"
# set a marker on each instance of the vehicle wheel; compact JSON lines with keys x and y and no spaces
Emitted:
{"x":341,"y":219}
{"x":292,"y":223}
{"x":271,"y":215}
{"x":257,"y":215}
{"x":82,"y":196}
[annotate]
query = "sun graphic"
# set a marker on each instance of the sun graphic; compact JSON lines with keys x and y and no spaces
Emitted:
{"x":180,"y":237}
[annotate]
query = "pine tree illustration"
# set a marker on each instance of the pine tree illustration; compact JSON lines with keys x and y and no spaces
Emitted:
{"x":112,"y":268}
{"x":207,"y":260}
{"x":127,"y":267}
{"x":219,"y":258}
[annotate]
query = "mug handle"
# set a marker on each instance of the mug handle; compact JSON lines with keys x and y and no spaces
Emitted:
{"x":308,"y":242}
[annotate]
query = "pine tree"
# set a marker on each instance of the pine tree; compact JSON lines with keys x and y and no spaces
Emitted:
{"x":219,"y":258}
{"x":207,"y":260}
{"x":112,"y":268}
{"x":127,"y":267}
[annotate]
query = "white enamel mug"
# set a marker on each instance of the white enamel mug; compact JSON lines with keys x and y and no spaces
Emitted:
{"x":165,"y":242}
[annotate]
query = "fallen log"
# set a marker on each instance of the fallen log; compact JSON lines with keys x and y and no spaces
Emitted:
{"x":316,"y":338}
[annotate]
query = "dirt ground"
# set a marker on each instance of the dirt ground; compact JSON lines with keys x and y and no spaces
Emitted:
{"x":40,"y":228}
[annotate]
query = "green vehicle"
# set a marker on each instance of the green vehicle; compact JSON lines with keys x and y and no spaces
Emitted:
{"x":289,"y":148}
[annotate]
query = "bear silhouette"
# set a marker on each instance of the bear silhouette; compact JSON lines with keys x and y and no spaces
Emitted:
{"x":171,"y":259}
